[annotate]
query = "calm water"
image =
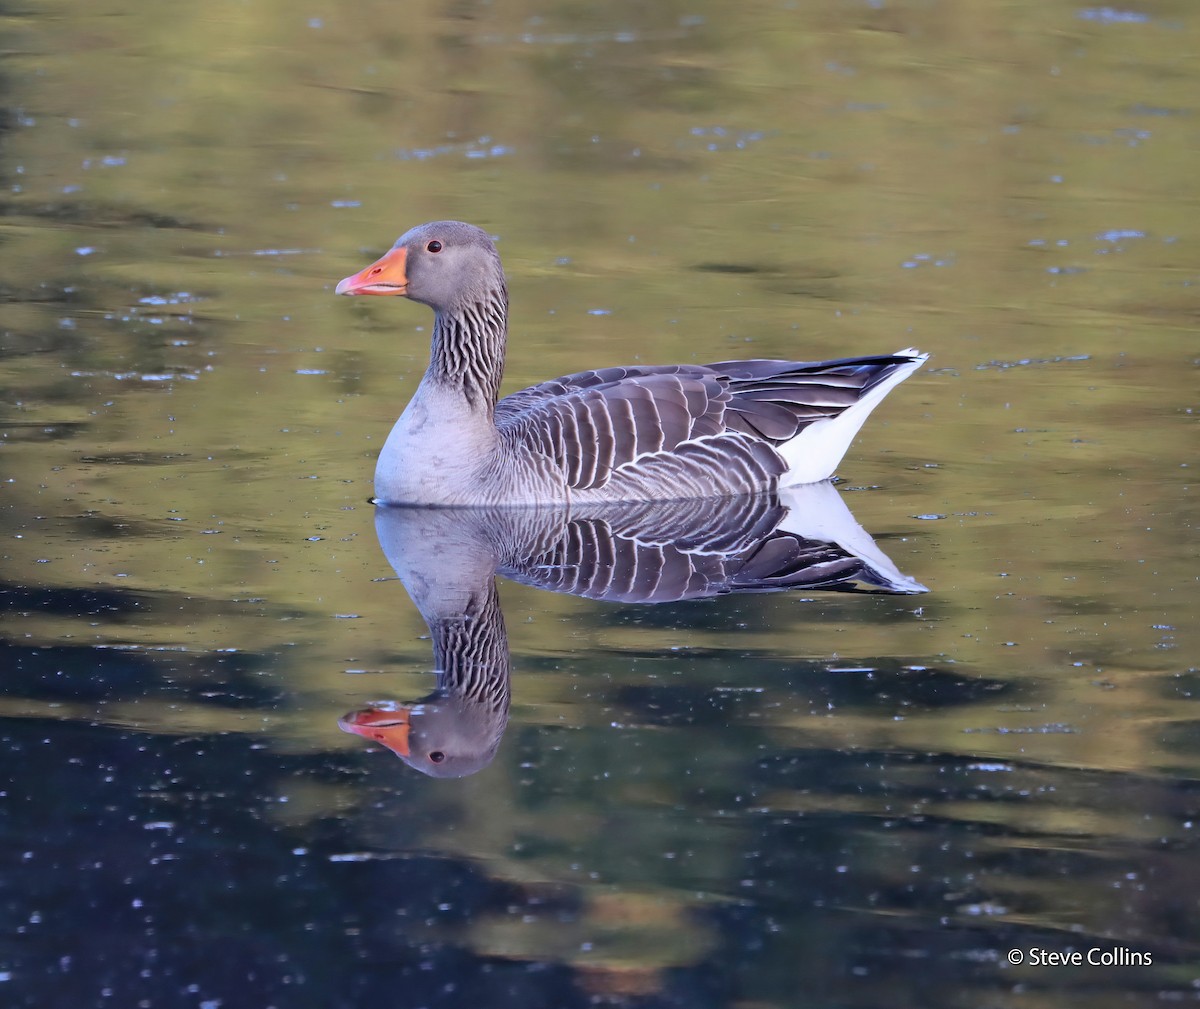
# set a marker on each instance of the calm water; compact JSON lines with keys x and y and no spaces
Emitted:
{"x":802,"y":799}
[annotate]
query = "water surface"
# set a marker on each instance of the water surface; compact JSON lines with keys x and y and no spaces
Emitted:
{"x":794,"y":799}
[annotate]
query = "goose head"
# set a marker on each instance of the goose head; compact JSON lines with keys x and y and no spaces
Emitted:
{"x":447,"y":265}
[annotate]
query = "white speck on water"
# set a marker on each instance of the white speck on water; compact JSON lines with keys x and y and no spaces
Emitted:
{"x":986,"y":908}
{"x":1119,"y":233}
{"x":175,"y":298}
{"x":356,"y":856}
{"x":1112,"y":16}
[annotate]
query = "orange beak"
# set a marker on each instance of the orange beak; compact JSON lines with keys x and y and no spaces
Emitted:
{"x":387,"y":727}
{"x":387,"y":275}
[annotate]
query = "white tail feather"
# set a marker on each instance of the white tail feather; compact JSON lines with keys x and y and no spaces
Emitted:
{"x":815,"y":452}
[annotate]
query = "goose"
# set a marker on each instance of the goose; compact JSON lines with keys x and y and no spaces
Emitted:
{"x":633,"y":433}
{"x":635,"y":553}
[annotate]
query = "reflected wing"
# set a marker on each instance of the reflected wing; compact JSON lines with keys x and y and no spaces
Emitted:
{"x":692,"y":550}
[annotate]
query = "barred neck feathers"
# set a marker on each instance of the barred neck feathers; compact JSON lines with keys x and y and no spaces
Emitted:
{"x":470,"y":653}
{"x":468,"y":347}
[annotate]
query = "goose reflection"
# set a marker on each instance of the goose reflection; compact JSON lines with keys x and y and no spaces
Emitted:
{"x":447,"y":558}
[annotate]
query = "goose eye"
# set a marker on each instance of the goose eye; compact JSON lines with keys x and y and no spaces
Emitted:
{"x":434,"y":246}
{"x":437,"y":756}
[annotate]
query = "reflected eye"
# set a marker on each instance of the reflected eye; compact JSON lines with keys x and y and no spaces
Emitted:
{"x":434,"y":246}
{"x":437,"y":756}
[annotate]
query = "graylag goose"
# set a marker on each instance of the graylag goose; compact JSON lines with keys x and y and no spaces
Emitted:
{"x":646,"y":552}
{"x":636,"y":433}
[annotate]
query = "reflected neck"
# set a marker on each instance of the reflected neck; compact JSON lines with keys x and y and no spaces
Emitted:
{"x":470,"y":653}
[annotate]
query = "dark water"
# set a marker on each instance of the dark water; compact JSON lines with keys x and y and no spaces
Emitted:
{"x":814,"y":797}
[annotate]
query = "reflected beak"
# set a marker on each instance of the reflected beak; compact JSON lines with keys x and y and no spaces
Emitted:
{"x":386,"y":275}
{"x":387,"y":727}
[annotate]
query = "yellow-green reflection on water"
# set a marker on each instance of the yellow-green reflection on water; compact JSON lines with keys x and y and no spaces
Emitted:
{"x":190,"y":420}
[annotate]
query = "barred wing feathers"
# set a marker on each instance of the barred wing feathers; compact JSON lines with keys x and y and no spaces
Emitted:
{"x":696,"y":430}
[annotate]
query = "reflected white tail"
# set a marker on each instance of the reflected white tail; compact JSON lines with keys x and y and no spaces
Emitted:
{"x":818,"y":512}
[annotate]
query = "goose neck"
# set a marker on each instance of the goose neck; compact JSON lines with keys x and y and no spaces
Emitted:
{"x":468,"y":347}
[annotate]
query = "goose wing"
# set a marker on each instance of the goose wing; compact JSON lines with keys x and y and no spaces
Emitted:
{"x":776,"y":400}
{"x":688,"y":430}
{"x":653,"y":424}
